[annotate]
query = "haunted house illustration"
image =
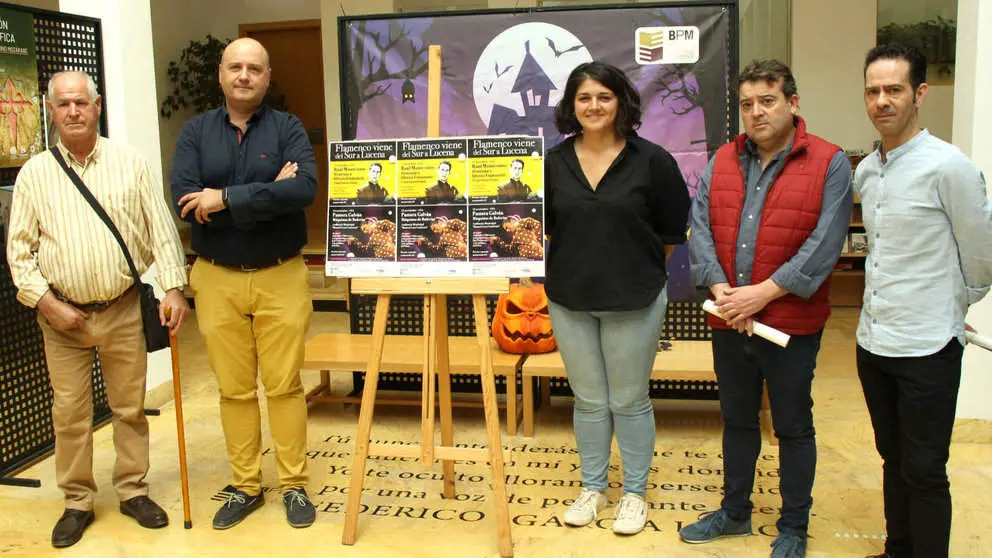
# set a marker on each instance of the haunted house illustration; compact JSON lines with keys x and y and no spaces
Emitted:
{"x":534,"y":87}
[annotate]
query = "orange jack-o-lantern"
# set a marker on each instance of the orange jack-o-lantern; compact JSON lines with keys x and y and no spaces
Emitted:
{"x":521,"y":323}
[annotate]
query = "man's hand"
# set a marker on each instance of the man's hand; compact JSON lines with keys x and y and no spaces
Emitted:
{"x":719,"y":290}
{"x":178,"y":309}
{"x":204,"y":203}
{"x":738,"y":304}
{"x":60,"y":315}
{"x":745,"y":326}
{"x":288,"y":171}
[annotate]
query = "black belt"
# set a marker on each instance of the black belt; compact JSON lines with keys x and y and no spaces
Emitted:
{"x":251,"y":267}
{"x":98,"y":306}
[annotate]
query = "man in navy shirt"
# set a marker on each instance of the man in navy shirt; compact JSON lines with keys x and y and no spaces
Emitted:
{"x":242,"y":176}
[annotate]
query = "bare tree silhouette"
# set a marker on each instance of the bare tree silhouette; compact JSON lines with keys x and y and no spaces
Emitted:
{"x":672,"y":86}
{"x":711,"y":74}
{"x":376,"y":78}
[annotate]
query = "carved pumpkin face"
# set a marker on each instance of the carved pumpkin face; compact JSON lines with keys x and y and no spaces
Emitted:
{"x":522,"y":324}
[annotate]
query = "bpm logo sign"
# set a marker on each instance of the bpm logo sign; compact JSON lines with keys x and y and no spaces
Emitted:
{"x":666,"y":45}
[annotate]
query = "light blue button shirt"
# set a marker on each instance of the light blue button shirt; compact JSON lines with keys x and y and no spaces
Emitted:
{"x":929,"y":226}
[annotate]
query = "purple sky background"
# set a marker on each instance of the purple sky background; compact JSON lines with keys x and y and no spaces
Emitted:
{"x":386,"y":116}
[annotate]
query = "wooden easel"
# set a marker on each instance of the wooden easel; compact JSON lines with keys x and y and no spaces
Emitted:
{"x":435,"y":291}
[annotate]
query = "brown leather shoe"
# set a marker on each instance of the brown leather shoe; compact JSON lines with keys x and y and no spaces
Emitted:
{"x":69,"y":528}
{"x":148,"y":513}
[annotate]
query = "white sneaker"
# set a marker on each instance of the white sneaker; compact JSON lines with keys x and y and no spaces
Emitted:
{"x":586,"y":508}
{"x":632,"y":514}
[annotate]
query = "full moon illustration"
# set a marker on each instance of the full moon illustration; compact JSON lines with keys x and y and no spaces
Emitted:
{"x":505,"y":53}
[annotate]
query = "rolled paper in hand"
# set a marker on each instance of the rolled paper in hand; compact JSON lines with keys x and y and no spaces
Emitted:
{"x":980,"y":340}
{"x":780,"y":338}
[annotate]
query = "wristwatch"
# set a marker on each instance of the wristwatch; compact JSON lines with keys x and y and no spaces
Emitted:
{"x":224,"y":200}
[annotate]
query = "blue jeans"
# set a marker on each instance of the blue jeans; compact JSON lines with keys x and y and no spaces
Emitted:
{"x":741,"y":364}
{"x":608,"y":357}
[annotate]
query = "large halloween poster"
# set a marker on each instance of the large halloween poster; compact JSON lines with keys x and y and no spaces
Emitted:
{"x":436,"y":207}
{"x":503,"y":72}
{"x":20,"y":107}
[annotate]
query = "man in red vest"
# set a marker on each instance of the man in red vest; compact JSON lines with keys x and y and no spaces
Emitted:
{"x":768,"y":222}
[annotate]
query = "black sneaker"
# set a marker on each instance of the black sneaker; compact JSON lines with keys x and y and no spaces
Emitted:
{"x":715,"y":525}
{"x":236,"y":509}
{"x":299,"y":509}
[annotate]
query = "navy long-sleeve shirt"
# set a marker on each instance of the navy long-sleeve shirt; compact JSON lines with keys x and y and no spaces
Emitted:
{"x":266,"y":219}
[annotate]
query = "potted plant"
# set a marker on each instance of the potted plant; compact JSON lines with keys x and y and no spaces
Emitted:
{"x":194,"y":80}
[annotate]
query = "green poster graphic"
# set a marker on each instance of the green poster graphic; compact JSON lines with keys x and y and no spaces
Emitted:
{"x":20,"y":103}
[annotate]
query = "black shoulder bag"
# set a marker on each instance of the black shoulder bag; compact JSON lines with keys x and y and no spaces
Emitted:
{"x":156,"y":335}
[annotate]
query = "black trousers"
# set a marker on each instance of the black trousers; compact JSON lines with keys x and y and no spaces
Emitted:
{"x":912,"y":401}
{"x":742,"y":364}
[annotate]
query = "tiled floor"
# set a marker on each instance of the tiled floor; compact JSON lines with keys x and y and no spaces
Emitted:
{"x":404,"y":515}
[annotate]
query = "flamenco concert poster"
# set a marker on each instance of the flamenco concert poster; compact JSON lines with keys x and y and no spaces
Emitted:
{"x":438,"y":207}
{"x":503,"y":73}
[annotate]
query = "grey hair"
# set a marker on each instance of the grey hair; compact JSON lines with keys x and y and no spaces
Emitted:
{"x":90,"y":84}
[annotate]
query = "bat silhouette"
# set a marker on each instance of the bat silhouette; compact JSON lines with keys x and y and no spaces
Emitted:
{"x":506,"y":69}
{"x":558,"y":53}
{"x":487,"y":88}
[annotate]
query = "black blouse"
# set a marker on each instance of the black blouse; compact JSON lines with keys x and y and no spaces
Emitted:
{"x":607,"y":245}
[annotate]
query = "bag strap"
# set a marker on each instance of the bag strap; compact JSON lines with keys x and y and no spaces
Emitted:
{"x":98,"y":208}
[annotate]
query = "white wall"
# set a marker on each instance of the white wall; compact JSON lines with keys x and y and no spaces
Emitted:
{"x":972,"y":115}
{"x":937,"y":113}
{"x":764,"y":30}
{"x":828,"y":69}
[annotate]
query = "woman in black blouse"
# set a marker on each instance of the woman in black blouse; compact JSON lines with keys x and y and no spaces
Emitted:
{"x":616,"y":206}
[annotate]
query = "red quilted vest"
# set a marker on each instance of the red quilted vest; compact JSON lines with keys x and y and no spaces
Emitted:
{"x":790,"y":213}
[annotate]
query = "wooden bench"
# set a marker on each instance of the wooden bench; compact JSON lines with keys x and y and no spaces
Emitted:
{"x":344,"y":352}
{"x":685,"y":360}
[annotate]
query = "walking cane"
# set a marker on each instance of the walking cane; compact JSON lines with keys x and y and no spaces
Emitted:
{"x":178,"y":395}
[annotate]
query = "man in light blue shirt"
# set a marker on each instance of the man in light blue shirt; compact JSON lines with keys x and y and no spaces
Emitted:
{"x":929,"y":226}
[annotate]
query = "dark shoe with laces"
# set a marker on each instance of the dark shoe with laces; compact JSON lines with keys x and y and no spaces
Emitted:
{"x":713,"y":526}
{"x":149,"y":514}
{"x":787,"y":545}
{"x":299,"y":509}
{"x":236,"y":509}
{"x":69,"y":528}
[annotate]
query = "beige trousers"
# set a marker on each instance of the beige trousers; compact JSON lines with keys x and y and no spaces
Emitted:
{"x":117,"y":335}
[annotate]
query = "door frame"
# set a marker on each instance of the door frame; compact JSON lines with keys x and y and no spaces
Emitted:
{"x":245,"y":28}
